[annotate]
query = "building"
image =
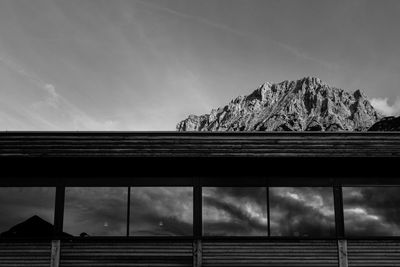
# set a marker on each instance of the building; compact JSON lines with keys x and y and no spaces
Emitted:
{"x":199,"y":199}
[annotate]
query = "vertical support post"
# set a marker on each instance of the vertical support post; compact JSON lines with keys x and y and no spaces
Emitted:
{"x":268,"y":213}
{"x":197,"y":211}
{"x":342,"y":250}
{"x":55,"y":253}
{"x":59,"y":211}
{"x":339,"y":218}
{"x":128,"y":212}
{"x":197,"y":253}
{"x":197,"y":223}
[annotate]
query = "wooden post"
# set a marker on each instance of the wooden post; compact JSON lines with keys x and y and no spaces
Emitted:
{"x":339,"y":217}
{"x":59,"y":212}
{"x":55,"y":253}
{"x":197,"y":222}
{"x":342,"y":250}
{"x":197,"y":253}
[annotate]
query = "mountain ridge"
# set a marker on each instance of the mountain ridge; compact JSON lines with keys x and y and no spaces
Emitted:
{"x":307,"y":104}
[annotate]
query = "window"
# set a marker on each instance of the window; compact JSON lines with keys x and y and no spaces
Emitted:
{"x":302,"y":211}
{"x":230,"y":211}
{"x":371,"y":211}
{"x":161,"y":211}
{"x":95,"y":211}
{"x":26,"y":211}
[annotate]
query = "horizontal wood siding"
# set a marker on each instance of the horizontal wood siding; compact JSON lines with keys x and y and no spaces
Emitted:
{"x":377,"y":253}
{"x":274,"y":253}
{"x":174,"y":144}
{"x":132,"y":254}
{"x":25,"y":254}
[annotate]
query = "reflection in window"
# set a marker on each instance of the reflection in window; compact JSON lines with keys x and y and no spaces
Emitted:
{"x":302,"y":211}
{"x":161,"y":211}
{"x":371,"y":211}
{"x":235,"y":211}
{"x":26,"y":211}
{"x":95,"y":211}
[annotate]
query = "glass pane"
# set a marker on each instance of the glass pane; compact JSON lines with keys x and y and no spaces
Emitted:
{"x":371,"y":211}
{"x":27,"y":211}
{"x":235,"y":211}
{"x":95,"y":211}
{"x":161,"y":211}
{"x":302,"y":211}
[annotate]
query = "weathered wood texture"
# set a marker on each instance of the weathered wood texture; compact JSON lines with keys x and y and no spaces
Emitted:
{"x":199,"y":144}
{"x":25,"y":254}
{"x":135,"y":253}
{"x":55,"y":253}
{"x":274,"y":253}
{"x":342,"y":253}
{"x":374,"y":253}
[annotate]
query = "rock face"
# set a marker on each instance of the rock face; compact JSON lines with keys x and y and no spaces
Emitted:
{"x":307,"y":104}
{"x":387,"y":124}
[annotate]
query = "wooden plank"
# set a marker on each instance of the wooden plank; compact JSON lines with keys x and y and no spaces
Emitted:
{"x":377,"y":253}
{"x":342,"y":250}
{"x":132,"y":253}
{"x":21,"y":253}
{"x":197,"y":253}
{"x":270,"y":253}
{"x":55,"y":253}
{"x":210,"y":144}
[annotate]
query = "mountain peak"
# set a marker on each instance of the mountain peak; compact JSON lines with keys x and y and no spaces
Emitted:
{"x":307,"y":104}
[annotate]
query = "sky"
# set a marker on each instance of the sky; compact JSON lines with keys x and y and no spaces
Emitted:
{"x":227,"y":211}
{"x":147,"y":64}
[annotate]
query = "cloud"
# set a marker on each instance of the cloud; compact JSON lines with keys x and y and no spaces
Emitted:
{"x":301,"y":54}
{"x":161,"y":211}
{"x":95,"y":211}
{"x":302,"y":211}
{"x":235,"y":211}
{"x":289,"y":48}
{"x":372,"y":210}
{"x":34,"y":79}
{"x":382,"y":105}
{"x":199,"y":19}
{"x":53,"y":111}
{"x":227,"y":211}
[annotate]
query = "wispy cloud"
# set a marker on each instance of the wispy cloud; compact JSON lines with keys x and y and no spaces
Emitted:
{"x":288,"y":48}
{"x":301,"y":54}
{"x":193,"y":17}
{"x":34,"y":79}
{"x":53,"y":111}
{"x":383,"y":106}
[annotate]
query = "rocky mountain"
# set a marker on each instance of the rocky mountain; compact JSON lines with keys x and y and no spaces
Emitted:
{"x":307,"y":104}
{"x":387,"y":124}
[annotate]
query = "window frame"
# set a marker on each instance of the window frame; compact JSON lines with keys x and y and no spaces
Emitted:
{"x":337,"y":183}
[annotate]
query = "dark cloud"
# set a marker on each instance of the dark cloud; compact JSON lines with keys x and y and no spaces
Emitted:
{"x":241,"y":222}
{"x":372,"y":211}
{"x":235,"y":211}
{"x":302,"y":212}
{"x":256,"y":194}
{"x":295,"y":211}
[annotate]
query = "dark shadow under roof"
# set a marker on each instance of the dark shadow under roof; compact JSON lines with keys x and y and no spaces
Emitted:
{"x":199,"y":144}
